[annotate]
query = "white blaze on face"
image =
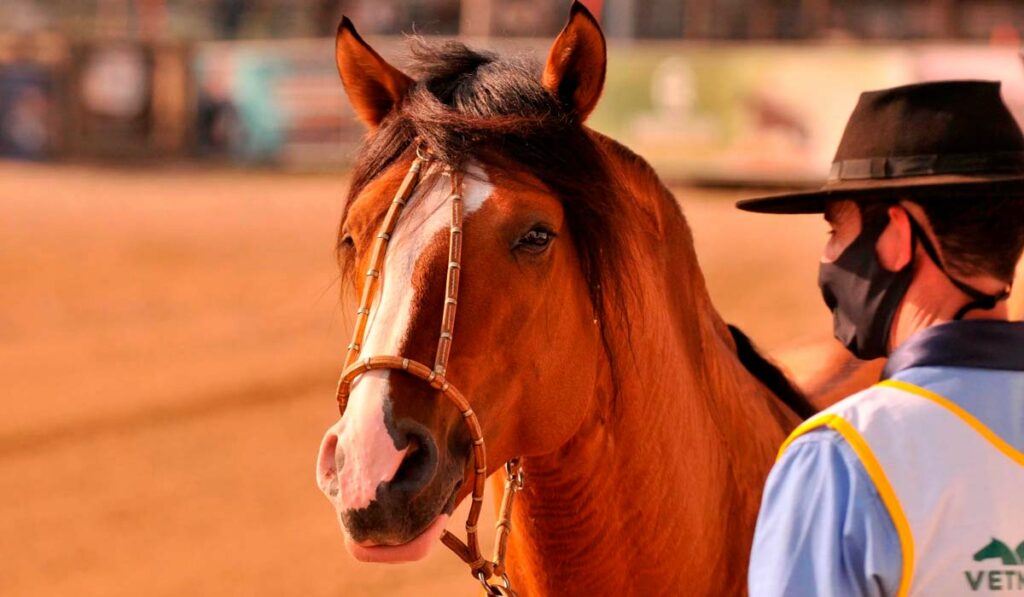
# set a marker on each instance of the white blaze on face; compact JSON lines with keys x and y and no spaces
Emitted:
{"x":370,"y":456}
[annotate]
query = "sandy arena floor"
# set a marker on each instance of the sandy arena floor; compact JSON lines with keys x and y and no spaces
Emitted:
{"x":169,"y":345}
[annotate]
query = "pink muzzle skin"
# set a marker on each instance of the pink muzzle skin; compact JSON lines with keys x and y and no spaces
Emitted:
{"x":357,"y":453}
{"x":356,"y":456}
{"x":414,"y":550}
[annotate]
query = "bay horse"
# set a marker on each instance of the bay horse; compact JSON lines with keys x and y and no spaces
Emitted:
{"x":586,"y":343}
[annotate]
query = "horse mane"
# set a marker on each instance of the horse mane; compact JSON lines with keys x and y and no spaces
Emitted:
{"x":770,"y":375}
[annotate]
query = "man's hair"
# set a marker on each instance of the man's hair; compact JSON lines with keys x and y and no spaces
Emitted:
{"x":980,"y":231}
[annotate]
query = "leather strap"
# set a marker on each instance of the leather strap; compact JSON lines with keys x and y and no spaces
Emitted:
{"x":979,"y":300}
{"x":357,"y":364}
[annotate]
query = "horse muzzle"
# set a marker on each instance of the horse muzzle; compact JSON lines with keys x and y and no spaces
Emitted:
{"x":388,"y":484}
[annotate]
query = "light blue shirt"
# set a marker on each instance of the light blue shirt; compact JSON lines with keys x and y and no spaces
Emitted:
{"x":823,"y":529}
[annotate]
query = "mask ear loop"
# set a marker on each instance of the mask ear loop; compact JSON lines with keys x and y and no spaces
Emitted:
{"x":909,"y":266}
{"x":980,"y":299}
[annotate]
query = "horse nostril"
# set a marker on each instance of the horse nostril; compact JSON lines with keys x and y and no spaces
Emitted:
{"x":339,"y":463}
{"x":329,"y":462}
{"x":419,"y":465}
{"x":413,"y":447}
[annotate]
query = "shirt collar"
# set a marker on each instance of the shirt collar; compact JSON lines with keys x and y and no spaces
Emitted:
{"x":977,"y":344}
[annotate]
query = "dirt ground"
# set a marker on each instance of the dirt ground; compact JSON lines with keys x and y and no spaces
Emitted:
{"x":169,"y":345}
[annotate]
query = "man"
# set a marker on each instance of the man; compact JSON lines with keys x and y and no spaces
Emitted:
{"x":916,"y":485}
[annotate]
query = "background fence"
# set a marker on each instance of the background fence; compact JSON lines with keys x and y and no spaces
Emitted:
{"x":751,"y":113}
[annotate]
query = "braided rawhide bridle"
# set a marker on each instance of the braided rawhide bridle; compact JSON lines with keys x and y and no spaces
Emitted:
{"x":355,"y":366}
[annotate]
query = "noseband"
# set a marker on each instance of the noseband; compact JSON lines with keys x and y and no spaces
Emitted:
{"x":468,"y":551}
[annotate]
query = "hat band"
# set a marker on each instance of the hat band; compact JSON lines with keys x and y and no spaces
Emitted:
{"x":1006,"y":162}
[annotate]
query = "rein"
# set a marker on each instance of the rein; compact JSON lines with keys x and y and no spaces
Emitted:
{"x":469,"y":551}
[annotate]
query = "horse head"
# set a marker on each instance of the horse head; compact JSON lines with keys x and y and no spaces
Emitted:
{"x":527,"y":350}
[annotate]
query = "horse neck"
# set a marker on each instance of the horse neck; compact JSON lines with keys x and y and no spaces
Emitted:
{"x":662,"y":482}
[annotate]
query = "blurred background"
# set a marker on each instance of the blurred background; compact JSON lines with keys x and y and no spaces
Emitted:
{"x":171,"y":175}
{"x":709,"y":90}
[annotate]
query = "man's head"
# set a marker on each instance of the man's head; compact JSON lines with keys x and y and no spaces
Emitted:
{"x":925,"y":201}
{"x":902,"y":286}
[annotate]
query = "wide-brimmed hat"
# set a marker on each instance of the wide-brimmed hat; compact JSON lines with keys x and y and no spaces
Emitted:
{"x":910,"y":139}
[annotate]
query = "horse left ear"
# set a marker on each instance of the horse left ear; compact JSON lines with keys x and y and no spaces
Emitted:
{"x":374,"y":87}
{"x":576,"y":64}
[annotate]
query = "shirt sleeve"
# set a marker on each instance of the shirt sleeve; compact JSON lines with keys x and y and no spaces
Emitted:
{"x":823,"y":529}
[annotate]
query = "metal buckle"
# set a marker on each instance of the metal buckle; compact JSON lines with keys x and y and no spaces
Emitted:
{"x":514,"y":473}
{"x":422,"y":152}
{"x":504,"y":589}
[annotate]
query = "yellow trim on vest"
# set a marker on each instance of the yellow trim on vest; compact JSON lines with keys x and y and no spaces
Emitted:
{"x":808,"y":425}
{"x":885,"y":491}
{"x":965,"y":416}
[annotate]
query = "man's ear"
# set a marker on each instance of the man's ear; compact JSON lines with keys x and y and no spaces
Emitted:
{"x":576,"y":63}
{"x":895,"y":247}
{"x":374,"y":87}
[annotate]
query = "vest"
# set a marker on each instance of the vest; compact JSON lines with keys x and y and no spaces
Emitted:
{"x":953,"y":488}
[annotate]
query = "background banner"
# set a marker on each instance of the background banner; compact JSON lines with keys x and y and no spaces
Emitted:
{"x":729,"y":114}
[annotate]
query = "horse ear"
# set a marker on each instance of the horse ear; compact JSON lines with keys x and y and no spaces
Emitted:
{"x":576,"y":64}
{"x":374,"y":87}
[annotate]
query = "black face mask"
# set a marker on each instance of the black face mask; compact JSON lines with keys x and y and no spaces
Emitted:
{"x":864,"y":296}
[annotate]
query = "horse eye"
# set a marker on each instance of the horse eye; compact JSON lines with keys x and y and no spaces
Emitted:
{"x":536,"y":240}
{"x":346,"y":240}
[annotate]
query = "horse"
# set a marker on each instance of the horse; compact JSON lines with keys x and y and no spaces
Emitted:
{"x":586,"y":345}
